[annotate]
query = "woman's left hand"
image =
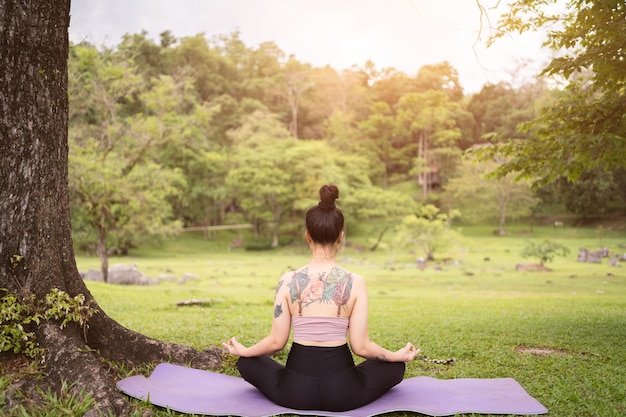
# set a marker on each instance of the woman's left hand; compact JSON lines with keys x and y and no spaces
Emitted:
{"x":407,"y":353}
{"x":234,"y":347}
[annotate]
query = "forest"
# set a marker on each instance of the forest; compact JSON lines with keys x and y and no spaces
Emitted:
{"x":203,"y":132}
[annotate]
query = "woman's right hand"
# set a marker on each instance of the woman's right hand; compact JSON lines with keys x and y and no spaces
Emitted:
{"x":234,"y":347}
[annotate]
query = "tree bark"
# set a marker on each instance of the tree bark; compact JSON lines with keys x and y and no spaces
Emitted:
{"x":101,"y":251}
{"x":36,"y":251}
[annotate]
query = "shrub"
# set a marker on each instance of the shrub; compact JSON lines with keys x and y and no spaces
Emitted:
{"x":544,"y":251}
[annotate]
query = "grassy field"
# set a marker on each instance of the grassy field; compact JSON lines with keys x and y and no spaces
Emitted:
{"x":560,"y":333}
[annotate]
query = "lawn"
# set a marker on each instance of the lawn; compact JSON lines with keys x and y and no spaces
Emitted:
{"x":560,"y":333}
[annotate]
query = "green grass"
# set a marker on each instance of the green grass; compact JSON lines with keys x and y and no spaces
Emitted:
{"x":479,"y":311}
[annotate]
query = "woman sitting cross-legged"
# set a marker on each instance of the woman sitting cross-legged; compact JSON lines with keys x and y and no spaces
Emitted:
{"x":324,"y":303}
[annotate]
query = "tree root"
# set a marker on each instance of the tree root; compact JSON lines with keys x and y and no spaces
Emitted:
{"x":119,"y":344}
{"x":69,"y":359}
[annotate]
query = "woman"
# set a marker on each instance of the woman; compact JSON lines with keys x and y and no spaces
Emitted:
{"x":324,"y":303}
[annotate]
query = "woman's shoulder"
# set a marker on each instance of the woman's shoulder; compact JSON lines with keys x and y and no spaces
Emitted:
{"x":287,"y":275}
{"x":357,"y":281}
{"x":284,"y":280}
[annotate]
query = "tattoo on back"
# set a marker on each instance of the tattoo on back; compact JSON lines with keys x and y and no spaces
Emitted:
{"x":334,"y":288}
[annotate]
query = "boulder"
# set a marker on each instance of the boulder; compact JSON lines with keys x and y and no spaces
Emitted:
{"x":615,"y":261}
{"x":186,"y":277}
{"x":585,"y":255}
{"x":121,"y":274}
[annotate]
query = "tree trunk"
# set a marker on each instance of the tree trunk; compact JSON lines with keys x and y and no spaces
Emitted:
{"x":101,"y":251}
{"x":36,"y":252}
{"x":427,"y":176}
{"x":380,"y":238}
{"x":501,"y":230}
{"x":294,"y":94}
{"x":423,"y":155}
{"x":275,"y":228}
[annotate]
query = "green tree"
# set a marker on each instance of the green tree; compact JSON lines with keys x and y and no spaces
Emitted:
{"x":109,"y":206}
{"x":597,"y":193}
{"x":499,"y":109}
{"x":585,"y":127}
{"x":544,"y":251}
{"x":315,"y":162}
{"x":383,"y":208}
{"x":131,"y":135}
{"x":358,"y":93}
{"x":255,"y":73}
{"x":321,"y":102}
{"x":389,"y":84}
{"x":213,"y":74}
{"x":377,"y":133}
{"x":260,"y":177}
{"x":296,"y":85}
{"x":176,"y":131}
{"x":340,"y":132}
{"x":428,"y":231}
{"x":103,"y":90}
{"x":428,"y":133}
{"x":272,"y":173}
{"x":151,"y":59}
{"x":480,"y":197}
{"x":440,"y":77}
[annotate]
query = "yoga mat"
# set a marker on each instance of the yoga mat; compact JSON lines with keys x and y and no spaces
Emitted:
{"x":194,"y":391}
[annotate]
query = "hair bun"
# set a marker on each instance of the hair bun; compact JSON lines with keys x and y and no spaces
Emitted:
{"x":328,"y":195}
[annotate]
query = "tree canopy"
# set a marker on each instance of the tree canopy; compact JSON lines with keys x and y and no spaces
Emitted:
{"x":187,"y":105}
{"x":585,"y":127}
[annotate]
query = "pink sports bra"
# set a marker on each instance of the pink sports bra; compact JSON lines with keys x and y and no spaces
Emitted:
{"x":319,"y":329}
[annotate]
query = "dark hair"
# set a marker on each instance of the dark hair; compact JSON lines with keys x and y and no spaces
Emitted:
{"x":324,"y":221}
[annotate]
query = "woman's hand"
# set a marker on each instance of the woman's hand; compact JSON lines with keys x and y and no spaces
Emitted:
{"x":234,"y":347}
{"x":407,"y":353}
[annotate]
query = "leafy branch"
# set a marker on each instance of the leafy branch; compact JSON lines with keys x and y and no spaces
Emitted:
{"x":16,"y":316}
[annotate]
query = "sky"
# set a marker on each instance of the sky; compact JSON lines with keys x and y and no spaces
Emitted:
{"x":403,"y":34}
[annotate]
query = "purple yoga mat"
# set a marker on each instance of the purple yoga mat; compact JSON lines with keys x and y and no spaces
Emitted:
{"x":194,"y":391}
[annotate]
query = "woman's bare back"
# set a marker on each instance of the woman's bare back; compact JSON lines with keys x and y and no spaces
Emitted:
{"x":321,"y":292}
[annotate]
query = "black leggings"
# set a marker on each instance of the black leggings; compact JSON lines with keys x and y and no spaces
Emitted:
{"x":321,"y":378}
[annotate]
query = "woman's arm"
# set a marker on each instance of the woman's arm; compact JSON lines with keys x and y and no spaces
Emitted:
{"x":277,"y":339}
{"x":358,"y":333}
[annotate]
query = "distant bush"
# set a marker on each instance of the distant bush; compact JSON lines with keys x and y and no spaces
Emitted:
{"x":544,"y":251}
{"x":259,"y":245}
{"x":266,"y":244}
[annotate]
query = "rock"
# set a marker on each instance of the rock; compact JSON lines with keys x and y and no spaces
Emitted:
{"x":92,"y":275}
{"x":167,"y":277}
{"x":614,"y":261}
{"x":584,"y":255}
{"x":121,"y":274}
{"x":186,"y":277}
{"x":603,"y":253}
